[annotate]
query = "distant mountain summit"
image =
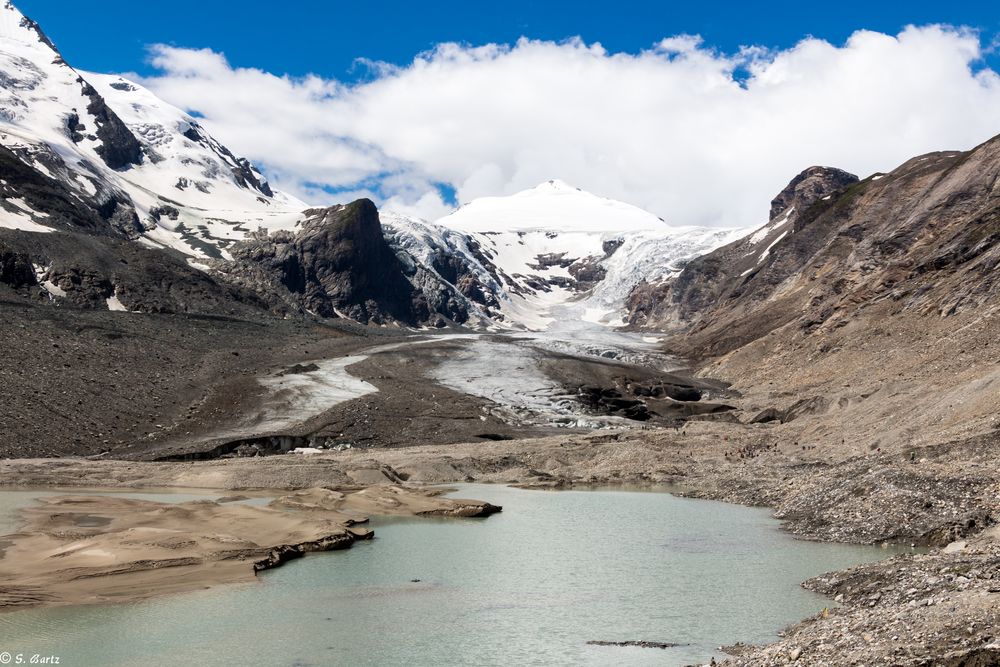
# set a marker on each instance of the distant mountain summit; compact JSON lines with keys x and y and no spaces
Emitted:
{"x":553,"y":206}
{"x":558,"y":252}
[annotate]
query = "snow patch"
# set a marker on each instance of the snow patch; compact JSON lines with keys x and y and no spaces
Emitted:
{"x":306,"y":451}
{"x":767,"y":250}
{"x":24,"y":223}
{"x":764,"y":231}
{"x":53,"y":289}
{"x":116,"y":305}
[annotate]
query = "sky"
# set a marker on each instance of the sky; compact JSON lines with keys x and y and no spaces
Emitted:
{"x":698,"y":112}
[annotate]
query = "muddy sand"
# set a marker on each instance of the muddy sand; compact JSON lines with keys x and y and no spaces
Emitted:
{"x":89,"y":549}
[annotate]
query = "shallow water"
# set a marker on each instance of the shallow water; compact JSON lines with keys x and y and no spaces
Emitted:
{"x":529,"y":586}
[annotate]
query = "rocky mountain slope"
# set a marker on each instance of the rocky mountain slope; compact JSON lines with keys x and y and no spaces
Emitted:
{"x":338,"y":264}
{"x":113,"y":199}
{"x":862,"y":319}
{"x":94,"y":167}
{"x":98,"y":207}
{"x":922,"y":238}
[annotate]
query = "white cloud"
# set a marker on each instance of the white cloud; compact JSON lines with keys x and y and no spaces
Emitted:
{"x":670,"y":129}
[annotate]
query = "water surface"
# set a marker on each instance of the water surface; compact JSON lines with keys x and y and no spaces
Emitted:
{"x":530,"y":586}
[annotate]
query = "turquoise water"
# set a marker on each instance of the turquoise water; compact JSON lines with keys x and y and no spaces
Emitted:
{"x":529,"y":586}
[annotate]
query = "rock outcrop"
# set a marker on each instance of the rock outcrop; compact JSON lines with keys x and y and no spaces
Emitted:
{"x":337,"y":265}
{"x":719,"y":275}
{"x":809,"y":187}
{"x":119,"y":148}
{"x":15,"y":268}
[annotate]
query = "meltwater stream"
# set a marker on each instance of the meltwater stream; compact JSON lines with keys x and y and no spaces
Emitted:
{"x":509,"y":372}
{"x":529,"y":586}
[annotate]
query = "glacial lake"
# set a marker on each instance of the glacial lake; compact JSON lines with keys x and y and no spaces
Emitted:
{"x":530,"y":586}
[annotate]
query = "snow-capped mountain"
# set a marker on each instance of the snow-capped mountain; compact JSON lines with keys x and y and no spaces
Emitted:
{"x":107,"y":138}
{"x":554,"y":246}
{"x":552,"y":206}
{"x":98,"y":155}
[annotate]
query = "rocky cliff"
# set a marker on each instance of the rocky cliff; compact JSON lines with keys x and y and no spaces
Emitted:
{"x":338,"y":264}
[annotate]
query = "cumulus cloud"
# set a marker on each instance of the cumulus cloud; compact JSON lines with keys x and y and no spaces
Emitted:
{"x":692,"y":134}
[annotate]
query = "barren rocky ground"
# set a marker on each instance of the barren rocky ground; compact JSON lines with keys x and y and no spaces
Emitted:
{"x":840,"y":436}
{"x":857,"y":364}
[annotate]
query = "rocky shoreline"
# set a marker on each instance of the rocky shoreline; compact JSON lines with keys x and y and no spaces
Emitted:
{"x":816,"y":432}
{"x":908,"y":610}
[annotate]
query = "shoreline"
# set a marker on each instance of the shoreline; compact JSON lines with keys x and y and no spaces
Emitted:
{"x":74,"y":550}
{"x":871,"y":597}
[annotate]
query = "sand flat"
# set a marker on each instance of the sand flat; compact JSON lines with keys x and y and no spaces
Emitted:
{"x":141,"y":548}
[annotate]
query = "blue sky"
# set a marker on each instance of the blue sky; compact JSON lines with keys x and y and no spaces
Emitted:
{"x":326,"y":38}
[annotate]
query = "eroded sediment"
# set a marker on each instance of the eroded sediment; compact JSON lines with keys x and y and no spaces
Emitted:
{"x":84,"y":549}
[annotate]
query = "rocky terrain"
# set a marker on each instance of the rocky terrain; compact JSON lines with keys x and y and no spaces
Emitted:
{"x":922,"y":238}
{"x":878,"y":424}
{"x":839,"y":364}
{"x":339,"y":264}
{"x":927,"y":609}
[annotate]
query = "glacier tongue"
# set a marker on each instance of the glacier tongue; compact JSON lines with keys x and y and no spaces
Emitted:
{"x":538,"y":251}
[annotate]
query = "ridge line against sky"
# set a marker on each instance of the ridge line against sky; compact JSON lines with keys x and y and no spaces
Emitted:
{"x":690,"y":131}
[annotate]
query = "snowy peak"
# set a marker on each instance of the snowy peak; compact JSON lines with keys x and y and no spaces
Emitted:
{"x":552,"y":206}
{"x":550,"y":252}
{"x":16,"y":27}
{"x":103,"y":137}
{"x":101,"y":155}
{"x":175,"y":142}
{"x":44,"y":99}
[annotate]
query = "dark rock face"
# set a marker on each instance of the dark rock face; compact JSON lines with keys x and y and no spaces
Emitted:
{"x":15,"y":268}
{"x":85,"y":286}
{"x":611,"y":401}
{"x":107,"y":212}
{"x":119,"y":148}
{"x":809,"y":187}
{"x":611,"y":246}
{"x":587,"y":272}
{"x":243,"y":172}
{"x":338,"y":264}
{"x":245,"y":176}
{"x":438,"y":284}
